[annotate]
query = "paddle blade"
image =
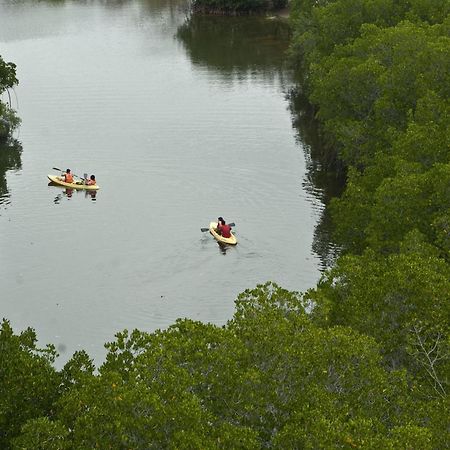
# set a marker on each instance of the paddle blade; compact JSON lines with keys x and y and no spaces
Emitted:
{"x":55,"y":168}
{"x":204,"y":229}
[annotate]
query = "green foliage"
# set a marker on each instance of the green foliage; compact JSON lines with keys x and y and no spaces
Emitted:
{"x":8,"y":118}
{"x":428,"y":346}
{"x":28,"y":381}
{"x":7,"y":75}
{"x":367,"y":90}
{"x":322,"y":26}
{"x":149,"y":394}
{"x":432,"y":11}
{"x":392,"y":199}
{"x":377,"y":73}
{"x":390,"y":299}
{"x":78,"y":370}
{"x":41,"y":434}
{"x":426,"y":139}
{"x":407,"y":202}
{"x":268,"y":378}
{"x":380,"y":85}
{"x":111,"y":413}
{"x":271,"y":377}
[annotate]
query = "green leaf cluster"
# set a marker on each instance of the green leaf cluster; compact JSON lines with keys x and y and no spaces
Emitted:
{"x":7,"y":75}
{"x":8,"y":118}
{"x":368,"y":91}
{"x":28,"y":381}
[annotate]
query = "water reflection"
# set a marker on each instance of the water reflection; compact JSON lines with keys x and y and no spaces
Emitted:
{"x":68,"y":193}
{"x":10,"y":159}
{"x":237,"y":45}
{"x":224,"y":248}
{"x":325,"y":175}
{"x":91,"y":194}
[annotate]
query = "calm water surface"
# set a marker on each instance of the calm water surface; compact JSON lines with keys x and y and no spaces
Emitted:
{"x":181,"y":121}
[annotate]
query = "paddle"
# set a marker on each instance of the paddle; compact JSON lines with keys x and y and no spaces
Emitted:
{"x":232,"y":224}
{"x":62,"y":171}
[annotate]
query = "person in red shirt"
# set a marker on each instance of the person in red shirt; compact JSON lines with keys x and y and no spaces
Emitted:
{"x":223,"y":229}
{"x":91,"y":181}
{"x":68,"y":177}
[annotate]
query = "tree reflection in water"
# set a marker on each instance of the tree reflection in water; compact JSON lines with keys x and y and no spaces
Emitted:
{"x":10,"y":159}
{"x":325,"y":175}
{"x":236,"y":46}
{"x":68,"y":193}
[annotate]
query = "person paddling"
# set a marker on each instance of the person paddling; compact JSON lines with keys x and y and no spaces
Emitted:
{"x":68,"y":177}
{"x":223,"y":229}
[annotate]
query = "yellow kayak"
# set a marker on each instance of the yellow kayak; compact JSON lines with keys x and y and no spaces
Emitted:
{"x":76,"y":185}
{"x":231,"y":240}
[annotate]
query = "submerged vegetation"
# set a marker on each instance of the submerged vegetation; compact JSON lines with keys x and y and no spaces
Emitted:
{"x":360,"y":361}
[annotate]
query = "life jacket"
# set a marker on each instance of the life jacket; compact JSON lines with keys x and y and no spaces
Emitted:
{"x":68,"y":178}
{"x":225,"y":231}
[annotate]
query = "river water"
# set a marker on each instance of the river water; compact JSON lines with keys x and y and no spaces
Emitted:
{"x":181,"y":120}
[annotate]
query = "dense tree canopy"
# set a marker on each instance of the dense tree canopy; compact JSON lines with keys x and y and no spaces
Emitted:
{"x":271,"y":377}
{"x":28,"y":381}
{"x":377,"y":73}
{"x":381,"y":92}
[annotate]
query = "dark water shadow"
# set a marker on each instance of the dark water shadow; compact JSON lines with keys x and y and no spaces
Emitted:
{"x":224,"y":248}
{"x":325,"y":176}
{"x":10,"y":159}
{"x":237,"y":46}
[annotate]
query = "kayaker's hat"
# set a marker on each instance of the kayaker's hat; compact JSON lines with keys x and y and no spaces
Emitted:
{"x":68,"y":171}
